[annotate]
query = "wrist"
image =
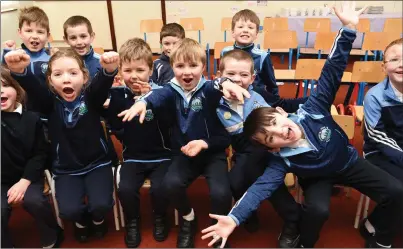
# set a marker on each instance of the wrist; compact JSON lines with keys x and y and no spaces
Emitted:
{"x":351,"y":26}
{"x":204,"y":144}
{"x":25,"y":181}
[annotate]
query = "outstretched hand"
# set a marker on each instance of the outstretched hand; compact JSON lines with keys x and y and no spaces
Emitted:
{"x":222,"y":230}
{"x":347,"y":13}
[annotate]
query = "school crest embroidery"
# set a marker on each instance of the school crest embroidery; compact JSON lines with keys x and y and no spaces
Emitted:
{"x":196,"y":104}
{"x":149,"y":115}
{"x":324,"y":134}
{"x":82,"y":109}
{"x":256,"y":105}
{"x":44,"y":68}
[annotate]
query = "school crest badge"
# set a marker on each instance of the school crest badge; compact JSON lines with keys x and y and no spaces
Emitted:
{"x":324,"y":134}
{"x":44,"y":68}
{"x":149,"y":115}
{"x":82,"y":109}
{"x":196,"y":104}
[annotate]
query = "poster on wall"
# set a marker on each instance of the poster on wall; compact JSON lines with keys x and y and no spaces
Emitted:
{"x":261,"y":3}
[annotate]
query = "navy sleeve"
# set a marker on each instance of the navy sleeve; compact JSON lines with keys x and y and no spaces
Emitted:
{"x":161,"y":98}
{"x":117,"y":104}
{"x":36,"y":163}
{"x":262,"y":189}
{"x":98,"y":90}
{"x":5,"y":51}
{"x":332,"y":72}
{"x":267,"y":77}
{"x":376,"y":132}
{"x":39,"y":94}
{"x":154,"y":76}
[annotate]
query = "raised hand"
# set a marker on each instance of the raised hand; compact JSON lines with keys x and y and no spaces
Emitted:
{"x":17,"y":60}
{"x":223,"y":229}
{"x":9,"y":44}
{"x":139,"y":108}
{"x":141,"y":87}
{"x":233,"y":91}
{"x":194,"y":147}
{"x":109,"y":61}
{"x":347,"y":13}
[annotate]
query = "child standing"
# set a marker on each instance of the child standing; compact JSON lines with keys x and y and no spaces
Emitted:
{"x":245,"y":28}
{"x":311,"y":145}
{"x":81,"y":164}
{"x":23,"y":156}
{"x":198,"y":138}
{"x":147,"y":152}
{"x":171,"y":35}
{"x":79,"y":35}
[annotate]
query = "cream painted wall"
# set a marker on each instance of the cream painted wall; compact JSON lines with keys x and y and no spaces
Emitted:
{"x":95,"y":11}
{"x":127,"y":16}
{"x":213,"y":11}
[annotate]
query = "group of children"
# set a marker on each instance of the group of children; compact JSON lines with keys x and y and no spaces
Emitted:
{"x":175,"y":125}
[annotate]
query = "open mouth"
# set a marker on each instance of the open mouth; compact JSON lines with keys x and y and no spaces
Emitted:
{"x":245,"y":36}
{"x":68,"y":90}
{"x":4,"y":100}
{"x":399,"y":72}
{"x":187,"y":80}
{"x":289,"y":133}
{"x":34,"y":43}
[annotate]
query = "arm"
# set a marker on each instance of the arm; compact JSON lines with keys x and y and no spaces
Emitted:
{"x":117,"y":104}
{"x":36,"y":163}
{"x":154,"y":76}
{"x":266,"y":76}
{"x":262,"y":189}
{"x":375,"y":131}
{"x":332,"y":72}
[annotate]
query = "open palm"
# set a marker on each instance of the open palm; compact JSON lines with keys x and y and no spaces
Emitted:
{"x":222,"y":230}
{"x":347,"y":13}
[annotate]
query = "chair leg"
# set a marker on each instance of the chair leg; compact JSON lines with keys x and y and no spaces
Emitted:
{"x":365,"y":215}
{"x":115,"y":207}
{"x":122,"y":216}
{"x":53,"y":192}
{"x":358,"y":213}
{"x":176,"y":218}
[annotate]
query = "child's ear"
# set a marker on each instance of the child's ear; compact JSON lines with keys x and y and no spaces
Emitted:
{"x":253,"y":78}
{"x":218,"y":74}
{"x":92,"y":36}
{"x":281,"y":111}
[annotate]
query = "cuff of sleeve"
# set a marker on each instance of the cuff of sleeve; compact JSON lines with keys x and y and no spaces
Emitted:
{"x":234,"y":218}
{"x":110,"y":74}
{"x":349,"y":30}
{"x":20,"y":74}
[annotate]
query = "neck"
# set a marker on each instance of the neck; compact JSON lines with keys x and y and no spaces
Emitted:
{"x":398,"y":86}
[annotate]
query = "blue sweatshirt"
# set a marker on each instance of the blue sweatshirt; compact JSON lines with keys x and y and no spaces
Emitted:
{"x":195,"y":118}
{"x":147,"y":142}
{"x":78,"y":142}
{"x":91,"y":62}
{"x":264,"y":70}
{"x":329,"y":150}
{"x":162,"y":70}
{"x":383,"y":116}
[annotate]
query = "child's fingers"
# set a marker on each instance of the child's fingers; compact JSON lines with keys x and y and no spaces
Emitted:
{"x":123,"y":113}
{"x":142,"y":116}
{"x":226,"y":93}
{"x":215,"y":216}
{"x":362,"y":10}
{"x":209,"y":229}
{"x":210,"y":234}
{"x":214,"y":240}
{"x":224,"y":240}
{"x":239,"y":96}
{"x":11,"y":198}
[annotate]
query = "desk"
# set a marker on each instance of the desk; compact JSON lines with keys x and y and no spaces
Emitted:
{"x":284,"y":74}
{"x":297,"y":23}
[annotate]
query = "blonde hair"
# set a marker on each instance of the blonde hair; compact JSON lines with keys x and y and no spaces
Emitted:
{"x":8,"y":80}
{"x":69,"y":53}
{"x":245,"y":15}
{"x":395,"y":42}
{"x":188,"y":50}
{"x":238,"y":55}
{"x":136,"y":49}
{"x":33,"y":14}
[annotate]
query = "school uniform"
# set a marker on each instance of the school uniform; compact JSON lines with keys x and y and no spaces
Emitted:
{"x":91,"y":62}
{"x":194,"y":118}
{"x":264,"y":70}
{"x":80,"y":160}
{"x":146,"y":153}
{"x":325,"y":158}
{"x":162,"y":70}
{"x":23,"y":155}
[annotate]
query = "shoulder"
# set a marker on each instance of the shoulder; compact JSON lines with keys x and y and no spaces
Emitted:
{"x":227,"y":49}
{"x":96,"y":56}
{"x":262,"y":53}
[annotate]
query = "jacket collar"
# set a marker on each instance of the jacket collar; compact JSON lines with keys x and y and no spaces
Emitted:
{"x":89,"y":55}
{"x":164,"y":57}
{"x":388,"y":92}
{"x":247,"y":48}
{"x":33,"y":54}
{"x":177,"y":87}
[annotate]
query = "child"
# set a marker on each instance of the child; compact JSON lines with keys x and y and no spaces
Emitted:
{"x":245,"y":28}
{"x":196,"y":132}
{"x":81,"y":163}
{"x":311,"y":145}
{"x":23,"y":156}
{"x":79,"y":35}
{"x":237,"y":65}
{"x":171,"y":35}
{"x":33,"y":29}
{"x":147,"y":151}
{"x":383,"y":112}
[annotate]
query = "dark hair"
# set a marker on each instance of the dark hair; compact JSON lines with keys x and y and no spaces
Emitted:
{"x":75,"y":21}
{"x":246,"y":15}
{"x":136,"y":49}
{"x":8,"y":80}
{"x":238,"y":55}
{"x":172,"y":29}
{"x":395,"y":42}
{"x":33,"y":14}
{"x":257,"y":120}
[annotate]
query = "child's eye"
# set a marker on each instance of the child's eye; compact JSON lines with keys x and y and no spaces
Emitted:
{"x":74,"y":73}
{"x":140,"y":70}
{"x":230,"y":74}
{"x":244,"y":75}
{"x":83,"y":36}
{"x":56,"y":74}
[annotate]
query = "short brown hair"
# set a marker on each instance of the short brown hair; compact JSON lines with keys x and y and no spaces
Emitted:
{"x":33,"y":14}
{"x":70,"y":53}
{"x":74,"y":21}
{"x":395,"y":42}
{"x":188,"y":50}
{"x":257,"y":120}
{"x":246,"y":15}
{"x":7,"y":80}
{"x":238,"y":55}
{"x":136,"y":49}
{"x":172,"y":29}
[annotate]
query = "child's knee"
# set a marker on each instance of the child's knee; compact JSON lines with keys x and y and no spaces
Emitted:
{"x":173,"y":183}
{"x":220,"y":193}
{"x":71,"y":212}
{"x":35,"y":201}
{"x":319,"y":210}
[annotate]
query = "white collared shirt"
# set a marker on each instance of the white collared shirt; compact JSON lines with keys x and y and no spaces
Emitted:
{"x":19,"y":108}
{"x":188,"y":94}
{"x":301,"y":143}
